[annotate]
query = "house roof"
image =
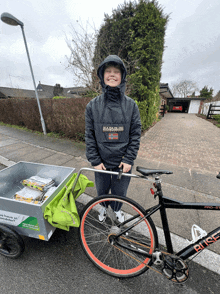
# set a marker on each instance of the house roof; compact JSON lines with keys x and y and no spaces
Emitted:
{"x":16,"y":93}
{"x":165,"y":90}
{"x":66,"y":92}
{"x":186,"y":98}
{"x":44,"y":91}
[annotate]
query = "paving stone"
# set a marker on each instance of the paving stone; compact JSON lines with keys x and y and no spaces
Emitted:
{"x":183,"y":140}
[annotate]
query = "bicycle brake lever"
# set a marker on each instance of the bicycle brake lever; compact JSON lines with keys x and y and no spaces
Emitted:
{"x":119,"y":174}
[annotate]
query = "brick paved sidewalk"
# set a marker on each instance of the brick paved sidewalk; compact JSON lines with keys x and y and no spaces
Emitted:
{"x":184,"y":140}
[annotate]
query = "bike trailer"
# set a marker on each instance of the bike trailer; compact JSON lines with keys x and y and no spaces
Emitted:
{"x":27,"y":217}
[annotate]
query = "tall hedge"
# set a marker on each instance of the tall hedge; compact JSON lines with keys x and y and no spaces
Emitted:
{"x":114,"y":36}
{"x":63,"y":116}
{"x":135,"y":32}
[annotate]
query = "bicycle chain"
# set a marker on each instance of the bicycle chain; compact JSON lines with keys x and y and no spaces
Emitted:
{"x":150,"y":267}
{"x":132,"y":241}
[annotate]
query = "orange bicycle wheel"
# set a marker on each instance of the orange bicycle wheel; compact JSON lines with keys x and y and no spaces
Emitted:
{"x":124,"y":256}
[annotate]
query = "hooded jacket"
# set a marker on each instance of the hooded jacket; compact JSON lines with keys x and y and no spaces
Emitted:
{"x":113,"y":126}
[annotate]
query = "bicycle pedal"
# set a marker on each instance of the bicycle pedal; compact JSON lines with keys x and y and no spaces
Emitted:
{"x":197,"y":233}
{"x":158,"y":258}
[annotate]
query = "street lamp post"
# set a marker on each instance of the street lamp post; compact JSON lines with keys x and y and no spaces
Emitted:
{"x":11,"y":20}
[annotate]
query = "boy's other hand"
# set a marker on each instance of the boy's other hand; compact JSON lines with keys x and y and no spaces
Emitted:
{"x":100,"y":166}
{"x":126,"y":167}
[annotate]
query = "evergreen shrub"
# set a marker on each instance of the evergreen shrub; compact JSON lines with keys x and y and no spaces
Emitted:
{"x":135,"y":32}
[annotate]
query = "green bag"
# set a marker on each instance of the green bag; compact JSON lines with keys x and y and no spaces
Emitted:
{"x":62,"y":212}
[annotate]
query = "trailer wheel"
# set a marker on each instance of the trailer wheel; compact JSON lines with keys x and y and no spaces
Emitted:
{"x":11,"y":243}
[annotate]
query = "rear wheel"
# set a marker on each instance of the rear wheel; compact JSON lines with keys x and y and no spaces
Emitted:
{"x":124,"y":256}
{"x":11,"y":243}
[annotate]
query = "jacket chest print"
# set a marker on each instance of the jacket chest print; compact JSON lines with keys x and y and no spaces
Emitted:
{"x":113,"y":133}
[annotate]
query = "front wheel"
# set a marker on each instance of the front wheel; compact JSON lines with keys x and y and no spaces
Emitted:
{"x":124,"y":256}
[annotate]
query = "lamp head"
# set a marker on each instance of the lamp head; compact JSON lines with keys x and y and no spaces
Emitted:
{"x":10,"y":19}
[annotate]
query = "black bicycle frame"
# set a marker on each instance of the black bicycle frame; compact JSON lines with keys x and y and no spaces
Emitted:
{"x":199,"y":245}
{"x":165,"y":203}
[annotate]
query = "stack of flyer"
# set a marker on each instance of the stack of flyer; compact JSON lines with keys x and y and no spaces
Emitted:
{"x":36,"y":190}
{"x":38,"y":183}
{"x":29,"y":195}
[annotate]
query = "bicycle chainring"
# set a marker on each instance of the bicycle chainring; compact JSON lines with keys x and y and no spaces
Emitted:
{"x":175,"y":269}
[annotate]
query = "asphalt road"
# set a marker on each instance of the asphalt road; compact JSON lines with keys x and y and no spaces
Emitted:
{"x":60,"y":266}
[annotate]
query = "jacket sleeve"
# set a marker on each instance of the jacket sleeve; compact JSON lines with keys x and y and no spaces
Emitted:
{"x":134,"y":137}
{"x":92,"y":153}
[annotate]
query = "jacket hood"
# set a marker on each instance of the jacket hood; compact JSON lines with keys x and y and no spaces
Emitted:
{"x":115,"y":60}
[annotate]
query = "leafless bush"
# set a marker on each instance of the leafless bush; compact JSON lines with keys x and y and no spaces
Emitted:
{"x":184,"y":88}
{"x":82,"y":45}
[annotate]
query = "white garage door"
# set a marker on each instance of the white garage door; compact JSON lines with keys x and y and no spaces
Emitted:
{"x":194,"y":106}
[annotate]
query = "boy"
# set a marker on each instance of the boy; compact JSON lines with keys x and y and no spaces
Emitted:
{"x":113,"y":130}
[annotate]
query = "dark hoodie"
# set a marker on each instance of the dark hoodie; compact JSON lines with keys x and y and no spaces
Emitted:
{"x":113,"y":125}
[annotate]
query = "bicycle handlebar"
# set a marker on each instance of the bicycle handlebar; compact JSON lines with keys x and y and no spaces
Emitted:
{"x":104,"y":172}
{"x":119,"y":174}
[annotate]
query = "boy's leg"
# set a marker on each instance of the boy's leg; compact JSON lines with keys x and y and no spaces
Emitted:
{"x":103,"y":184}
{"x":119,"y":188}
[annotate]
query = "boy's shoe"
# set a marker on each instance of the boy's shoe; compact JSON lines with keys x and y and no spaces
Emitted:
{"x":102,"y":214}
{"x":120,"y":216}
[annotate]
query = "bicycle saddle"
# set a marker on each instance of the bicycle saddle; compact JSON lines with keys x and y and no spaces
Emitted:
{"x":147,"y":172}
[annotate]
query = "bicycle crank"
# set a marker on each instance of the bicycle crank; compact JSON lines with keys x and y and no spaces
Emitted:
{"x":175,"y":269}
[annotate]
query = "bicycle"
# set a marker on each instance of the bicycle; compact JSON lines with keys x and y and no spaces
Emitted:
{"x":130,"y":248}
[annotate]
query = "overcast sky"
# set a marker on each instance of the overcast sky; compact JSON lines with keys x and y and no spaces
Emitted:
{"x":192,"y":40}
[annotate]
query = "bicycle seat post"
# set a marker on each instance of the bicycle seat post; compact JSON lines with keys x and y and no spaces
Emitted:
{"x":157,"y":179}
{"x":158,"y":186}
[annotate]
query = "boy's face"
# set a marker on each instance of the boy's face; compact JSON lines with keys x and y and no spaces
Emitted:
{"x":112,"y":76}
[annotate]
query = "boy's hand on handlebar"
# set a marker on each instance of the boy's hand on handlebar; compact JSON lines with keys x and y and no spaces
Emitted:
{"x":126,"y":167}
{"x":100,"y":166}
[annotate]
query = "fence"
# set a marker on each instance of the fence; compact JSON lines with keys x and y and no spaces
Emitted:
{"x":215,"y":108}
{"x":162,"y":110}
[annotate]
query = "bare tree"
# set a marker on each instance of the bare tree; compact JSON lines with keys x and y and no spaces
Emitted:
{"x":217,"y":97}
{"x":82,"y":46}
{"x":184,"y":88}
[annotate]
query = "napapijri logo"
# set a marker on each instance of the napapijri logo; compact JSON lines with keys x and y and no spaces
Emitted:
{"x":113,"y":129}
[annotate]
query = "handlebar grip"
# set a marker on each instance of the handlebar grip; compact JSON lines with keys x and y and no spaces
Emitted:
{"x":120,"y":174}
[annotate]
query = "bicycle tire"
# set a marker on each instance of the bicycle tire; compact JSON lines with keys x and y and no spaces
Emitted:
{"x":95,"y":238}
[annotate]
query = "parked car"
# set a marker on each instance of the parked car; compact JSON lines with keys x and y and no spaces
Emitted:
{"x":177,"y":108}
